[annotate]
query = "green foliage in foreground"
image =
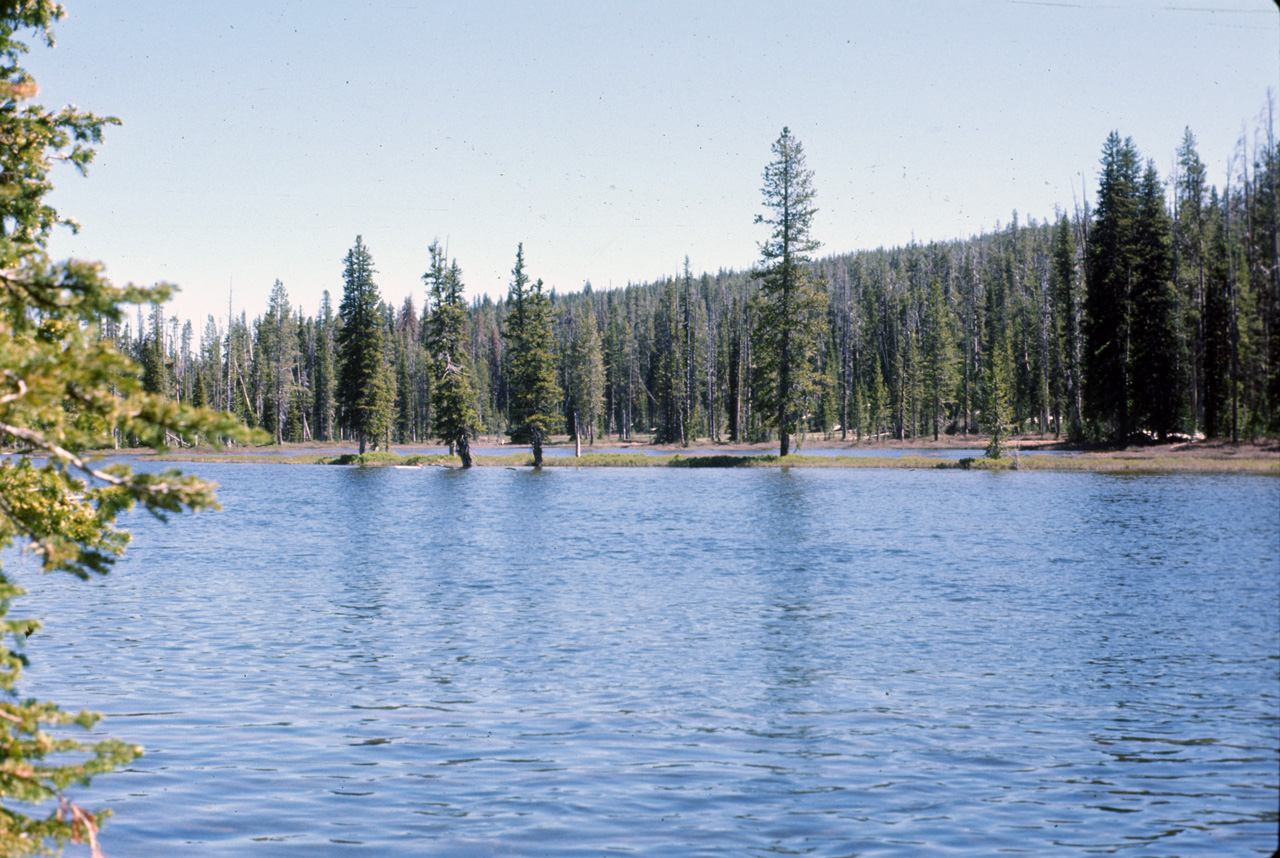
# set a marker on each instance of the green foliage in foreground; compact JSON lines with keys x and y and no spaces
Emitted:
{"x":64,"y":389}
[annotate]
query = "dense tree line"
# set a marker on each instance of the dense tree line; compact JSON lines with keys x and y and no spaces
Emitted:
{"x":1154,"y":313}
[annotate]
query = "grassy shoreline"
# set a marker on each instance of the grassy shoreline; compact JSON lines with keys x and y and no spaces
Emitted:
{"x":1255,"y":460}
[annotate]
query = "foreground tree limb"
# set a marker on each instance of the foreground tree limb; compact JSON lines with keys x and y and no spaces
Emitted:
{"x":64,"y":390}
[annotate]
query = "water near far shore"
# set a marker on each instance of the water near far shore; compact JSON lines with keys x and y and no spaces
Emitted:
{"x":655,"y":662}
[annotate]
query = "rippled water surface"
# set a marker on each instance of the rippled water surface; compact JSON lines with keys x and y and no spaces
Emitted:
{"x":655,"y":662}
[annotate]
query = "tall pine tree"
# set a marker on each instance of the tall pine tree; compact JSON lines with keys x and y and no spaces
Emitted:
{"x":1109,"y":288}
{"x":586,"y":373}
{"x":939,"y":355}
{"x":452,"y":394}
{"x":278,"y":354}
{"x":789,"y":307}
{"x":1068,"y":314}
{"x":1158,"y":351}
{"x":530,"y":343}
{"x":1191,"y":249}
{"x":363,"y":394}
{"x":322,"y":401}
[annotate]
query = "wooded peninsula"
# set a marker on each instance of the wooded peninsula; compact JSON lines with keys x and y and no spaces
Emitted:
{"x":1149,"y":315}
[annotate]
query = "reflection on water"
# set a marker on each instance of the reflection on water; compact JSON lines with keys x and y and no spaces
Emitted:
{"x":494,"y":662}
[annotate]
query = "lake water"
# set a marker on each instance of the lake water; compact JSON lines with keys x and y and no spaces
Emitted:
{"x":656,"y":662}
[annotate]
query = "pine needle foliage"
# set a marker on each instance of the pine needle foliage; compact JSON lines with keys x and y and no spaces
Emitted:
{"x":789,"y":308}
{"x":530,"y":340}
{"x":586,"y":373}
{"x":64,"y":389}
{"x":453,"y":397}
{"x":364,"y":390}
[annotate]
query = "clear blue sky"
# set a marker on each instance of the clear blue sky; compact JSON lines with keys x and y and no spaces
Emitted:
{"x":612,"y":138}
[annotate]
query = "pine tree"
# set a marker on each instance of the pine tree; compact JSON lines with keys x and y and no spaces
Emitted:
{"x":997,"y":395}
{"x":530,"y":343}
{"x":278,"y":355}
{"x":896,"y":343}
{"x":452,"y":394}
{"x":829,"y":417}
{"x":909,"y":368}
{"x":324,"y":376}
{"x":409,"y":374}
{"x":404,"y":392}
{"x":1266,"y":235}
{"x":1109,"y":288}
{"x":185,"y":369}
{"x":1158,"y":350}
{"x":1068,"y":311}
{"x":363,"y":394}
{"x":586,"y":373}
{"x":877,"y":397}
{"x":736,"y":381}
{"x":298,"y":426}
{"x":211,"y":364}
{"x":669,"y":377}
{"x":614,"y":345}
{"x":789,"y":307}
{"x":199,"y":395}
{"x":1191,"y":247}
{"x":1217,"y":323}
{"x":940,"y":359}
{"x":154,"y":377}
{"x":385,"y":415}
{"x":692,"y":314}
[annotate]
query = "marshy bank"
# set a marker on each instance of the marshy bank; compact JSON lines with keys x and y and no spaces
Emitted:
{"x":1259,"y":458}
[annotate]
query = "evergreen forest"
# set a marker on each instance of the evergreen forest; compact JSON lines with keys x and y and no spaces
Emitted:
{"x":1149,"y":311}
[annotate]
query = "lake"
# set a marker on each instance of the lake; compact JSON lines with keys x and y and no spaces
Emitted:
{"x":659,"y":662}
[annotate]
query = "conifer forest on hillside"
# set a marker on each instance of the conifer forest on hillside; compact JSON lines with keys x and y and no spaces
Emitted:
{"x":1151,"y":310}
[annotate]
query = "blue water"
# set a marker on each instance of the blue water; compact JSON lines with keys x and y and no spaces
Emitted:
{"x":693,"y":663}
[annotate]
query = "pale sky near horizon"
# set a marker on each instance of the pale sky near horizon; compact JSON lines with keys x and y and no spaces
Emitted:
{"x":611,"y":138}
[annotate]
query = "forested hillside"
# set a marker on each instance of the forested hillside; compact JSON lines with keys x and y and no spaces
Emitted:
{"x":1152,"y":310}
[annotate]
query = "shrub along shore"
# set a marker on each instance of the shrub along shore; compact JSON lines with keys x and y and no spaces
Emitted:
{"x":1261,"y":458}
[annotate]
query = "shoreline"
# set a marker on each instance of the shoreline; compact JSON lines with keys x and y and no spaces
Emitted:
{"x":1023,"y":453}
